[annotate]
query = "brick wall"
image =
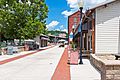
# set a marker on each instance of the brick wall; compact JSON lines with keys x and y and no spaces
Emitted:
{"x":71,"y":21}
{"x":110,"y":69}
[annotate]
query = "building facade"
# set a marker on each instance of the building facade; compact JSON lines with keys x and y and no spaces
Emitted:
{"x":73,"y":21}
{"x":88,"y":30}
{"x":42,"y":40}
{"x":107,"y":27}
{"x":101,"y":28}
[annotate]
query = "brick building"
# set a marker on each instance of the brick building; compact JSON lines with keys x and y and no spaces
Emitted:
{"x":73,"y":20}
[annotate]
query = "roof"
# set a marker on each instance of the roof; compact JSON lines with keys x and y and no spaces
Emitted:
{"x":29,"y":40}
{"x":77,"y":12}
{"x":74,"y":13}
{"x":43,"y":35}
{"x":43,"y":38}
{"x":103,"y":3}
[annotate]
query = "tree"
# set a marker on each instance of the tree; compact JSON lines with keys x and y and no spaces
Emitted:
{"x":24,"y":19}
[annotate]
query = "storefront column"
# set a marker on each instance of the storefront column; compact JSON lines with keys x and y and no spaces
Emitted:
{"x":87,"y":41}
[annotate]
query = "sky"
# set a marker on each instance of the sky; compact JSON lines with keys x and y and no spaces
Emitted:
{"x":59,"y":10}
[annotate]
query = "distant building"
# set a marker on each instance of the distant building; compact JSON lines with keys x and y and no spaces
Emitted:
{"x":63,"y":35}
{"x":42,"y":40}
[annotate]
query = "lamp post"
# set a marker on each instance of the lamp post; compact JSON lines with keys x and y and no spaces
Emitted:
{"x":73,"y":28}
{"x":80,"y":4}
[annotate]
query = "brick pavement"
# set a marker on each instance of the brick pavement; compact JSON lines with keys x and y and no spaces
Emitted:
{"x":62,"y":71}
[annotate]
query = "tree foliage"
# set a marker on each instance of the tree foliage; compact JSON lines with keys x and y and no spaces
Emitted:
{"x":22,"y":18}
{"x":56,"y":33}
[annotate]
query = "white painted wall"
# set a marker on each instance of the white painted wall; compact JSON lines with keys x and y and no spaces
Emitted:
{"x":119,"y":38}
{"x":37,"y":39}
{"x":107,"y":34}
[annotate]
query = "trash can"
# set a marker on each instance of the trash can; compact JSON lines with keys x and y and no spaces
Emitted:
{"x":9,"y":50}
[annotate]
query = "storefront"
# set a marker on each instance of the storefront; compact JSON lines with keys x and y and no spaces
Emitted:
{"x":44,"y":40}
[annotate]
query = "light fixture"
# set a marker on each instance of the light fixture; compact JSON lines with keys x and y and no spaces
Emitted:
{"x":80,"y":3}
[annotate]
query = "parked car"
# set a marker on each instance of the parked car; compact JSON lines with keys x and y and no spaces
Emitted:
{"x":62,"y":45}
{"x":32,"y":44}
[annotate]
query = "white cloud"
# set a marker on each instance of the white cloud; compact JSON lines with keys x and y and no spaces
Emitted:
{"x":52,"y":24}
{"x":65,"y":30}
{"x":62,"y":26}
{"x":66,"y":13}
{"x":58,"y":29}
{"x":73,"y":4}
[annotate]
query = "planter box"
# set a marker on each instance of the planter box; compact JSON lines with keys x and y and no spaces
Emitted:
{"x":109,"y":68}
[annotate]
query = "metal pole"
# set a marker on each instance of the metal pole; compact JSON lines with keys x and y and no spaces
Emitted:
{"x":73,"y":40}
{"x":81,"y":62}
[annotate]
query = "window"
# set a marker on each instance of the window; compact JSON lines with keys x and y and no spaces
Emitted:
{"x":75,"y":20}
{"x":90,"y":25}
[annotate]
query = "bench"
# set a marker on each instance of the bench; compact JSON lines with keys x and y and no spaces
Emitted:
{"x":117,"y":56}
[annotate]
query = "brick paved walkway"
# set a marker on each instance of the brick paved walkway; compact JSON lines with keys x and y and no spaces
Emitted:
{"x":62,"y":71}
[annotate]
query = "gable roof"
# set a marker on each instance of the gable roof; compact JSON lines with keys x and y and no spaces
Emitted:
{"x":73,"y":13}
{"x":103,"y":3}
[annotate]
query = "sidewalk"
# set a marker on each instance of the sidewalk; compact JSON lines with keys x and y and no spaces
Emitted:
{"x":62,"y":71}
{"x":15,"y":56}
{"x":3,"y":57}
{"x":65,"y":71}
{"x":84,"y":71}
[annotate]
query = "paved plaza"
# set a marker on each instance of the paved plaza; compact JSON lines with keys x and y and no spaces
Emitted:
{"x":42,"y":65}
{"x":84,"y":72}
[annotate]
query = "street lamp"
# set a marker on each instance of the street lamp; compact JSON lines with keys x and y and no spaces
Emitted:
{"x":73,"y":30}
{"x":80,"y":4}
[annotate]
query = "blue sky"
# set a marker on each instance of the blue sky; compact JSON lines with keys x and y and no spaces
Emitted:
{"x":59,"y":10}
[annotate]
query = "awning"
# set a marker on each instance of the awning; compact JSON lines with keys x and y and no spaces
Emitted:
{"x":43,"y":38}
{"x":62,"y":40}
